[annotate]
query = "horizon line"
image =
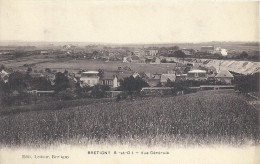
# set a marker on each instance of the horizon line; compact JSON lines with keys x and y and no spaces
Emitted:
{"x":144,"y":43}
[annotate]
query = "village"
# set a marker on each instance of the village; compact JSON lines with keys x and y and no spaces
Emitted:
{"x":179,"y":66}
{"x":143,"y":81}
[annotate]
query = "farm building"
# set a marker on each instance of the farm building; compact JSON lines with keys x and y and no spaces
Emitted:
{"x":90,"y":78}
{"x":224,"y":76}
{"x":166,"y":77}
{"x":197,"y":75}
{"x":110,"y":79}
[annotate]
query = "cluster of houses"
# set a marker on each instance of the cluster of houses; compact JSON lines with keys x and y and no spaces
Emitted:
{"x":112,"y":79}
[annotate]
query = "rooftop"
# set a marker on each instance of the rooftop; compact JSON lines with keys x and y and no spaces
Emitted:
{"x":224,"y":73}
{"x":165,"y":77}
{"x":108,"y":76}
{"x":197,"y":71}
{"x":90,"y":72}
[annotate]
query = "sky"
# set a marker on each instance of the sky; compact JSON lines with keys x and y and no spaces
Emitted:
{"x":128,"y":21}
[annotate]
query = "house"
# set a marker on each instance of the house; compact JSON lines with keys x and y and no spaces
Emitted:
{"x":90,"y":78}
{"x":110,"y":79}
{"x":166,"y":77}
{"x":4,"y":76}
{"x":224,"y":76}
{"x":156,"y":75}
{"x":145,"y":76}
{"x":188,"y":51}
{"x":50,"y":77}
{"x":153,"y":82}
{"x":181,"y":77}
{"x":163,"y":50}
{"x":44,"y":52}
{"x":124,"y":74}
{"x":152,"y":52}
{"x":211,"y":77}
{"x":153,"y":79}
{"x":197,"y":75}
{"x":126,"y":60}
{"x":136,"y":52}
{"x":207,"y":49}
{"x":212,"y":70}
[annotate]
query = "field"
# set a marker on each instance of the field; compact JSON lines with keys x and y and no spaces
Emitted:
{"x":76,"y":65}
{"x":208,"y":117}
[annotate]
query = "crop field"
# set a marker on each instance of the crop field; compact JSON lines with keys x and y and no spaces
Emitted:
{"x":76,"y":65}
{"x":30,"y":61}
{"x":201,"y":118}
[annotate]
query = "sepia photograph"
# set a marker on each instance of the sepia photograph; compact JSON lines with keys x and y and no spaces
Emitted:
{"x":120,"y":81}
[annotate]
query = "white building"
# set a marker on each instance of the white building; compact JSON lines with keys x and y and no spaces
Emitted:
{"x":153,"y":52}
{"x":197,"y":75}
{"x":90,"y":78}
{"x":109,"y":79}
{"x":224,"y":76}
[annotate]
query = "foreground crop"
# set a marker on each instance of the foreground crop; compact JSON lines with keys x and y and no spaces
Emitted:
{"x":200,"y":118}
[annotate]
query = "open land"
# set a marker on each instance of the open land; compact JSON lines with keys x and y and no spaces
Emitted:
{"x":208,"y":117}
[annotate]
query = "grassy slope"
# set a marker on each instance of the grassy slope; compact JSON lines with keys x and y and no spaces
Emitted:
{"x":204,"y":117}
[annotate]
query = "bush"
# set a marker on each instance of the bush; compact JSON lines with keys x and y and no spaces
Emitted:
{"x":98,"y":91}
{"x":66,"y":95}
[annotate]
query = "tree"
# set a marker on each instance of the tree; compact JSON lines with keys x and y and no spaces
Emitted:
{"x":131,"y":85}
{"x":17,"y":81}
{"x":61,"y":82}
{"x":175,"y":48}
{"x":179,"y":54}
{"x":41,"y":83}
{"x":248,"y":83}
{"x":98,"y":91}
{"x":66,"y":73}
{"x":243,"y":55}
{"x":18,"y":54}
{"x":29,"y":70}
{"x":159,"y":84}
{"x":2,"y":67}
{"x":100,"y":72}
{"x":48,"y":70}
{"x":4,"y":94}
{"x":66,"y":94}
{"x":95,"y":53}
{"x":163,"y":61}
{"x":81,"y":91}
